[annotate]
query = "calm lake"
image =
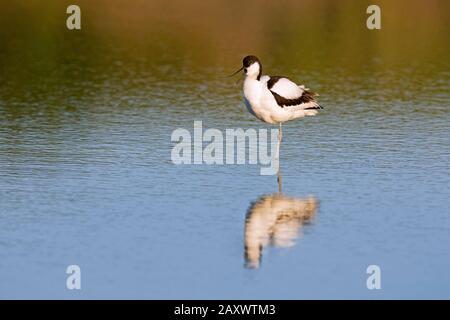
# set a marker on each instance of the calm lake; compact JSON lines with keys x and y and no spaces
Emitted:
{"x":86,"y":176}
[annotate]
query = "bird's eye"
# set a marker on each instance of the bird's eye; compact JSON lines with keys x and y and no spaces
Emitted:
{"x":245,"y":70}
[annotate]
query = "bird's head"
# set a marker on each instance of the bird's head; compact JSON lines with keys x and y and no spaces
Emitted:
{"x":252,"y":67}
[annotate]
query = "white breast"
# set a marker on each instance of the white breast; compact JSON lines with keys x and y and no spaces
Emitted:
{"x":255,"y":98}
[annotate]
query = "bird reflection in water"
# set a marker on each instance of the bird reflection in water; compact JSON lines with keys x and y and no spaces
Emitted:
{"x":275,"y":220}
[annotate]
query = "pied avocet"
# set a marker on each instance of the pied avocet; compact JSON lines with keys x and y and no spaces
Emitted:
{"x":275,"y":99}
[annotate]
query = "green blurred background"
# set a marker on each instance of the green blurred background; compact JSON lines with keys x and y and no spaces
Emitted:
{"x":189,"y":36}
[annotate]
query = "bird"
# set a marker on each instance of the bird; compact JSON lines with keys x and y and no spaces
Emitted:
{"x":275,"y":99}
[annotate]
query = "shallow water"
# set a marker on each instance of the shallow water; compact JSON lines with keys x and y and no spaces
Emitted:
{"x":86,"y":176}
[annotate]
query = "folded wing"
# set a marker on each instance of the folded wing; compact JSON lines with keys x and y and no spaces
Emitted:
{"x":288,"y":93}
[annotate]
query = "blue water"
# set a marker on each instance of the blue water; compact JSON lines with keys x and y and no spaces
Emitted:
{"x":94,"y":186}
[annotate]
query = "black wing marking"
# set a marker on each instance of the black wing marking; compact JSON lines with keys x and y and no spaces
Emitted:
{"x":272,"y":81}
{"x":307,"y":96}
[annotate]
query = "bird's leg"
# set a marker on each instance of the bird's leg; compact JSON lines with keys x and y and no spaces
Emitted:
{"x":280,"y":135}
{"x":280,"y":181}
{"x":279,"y":177}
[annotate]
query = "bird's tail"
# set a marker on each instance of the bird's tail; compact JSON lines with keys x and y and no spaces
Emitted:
{"x":309,"y":101}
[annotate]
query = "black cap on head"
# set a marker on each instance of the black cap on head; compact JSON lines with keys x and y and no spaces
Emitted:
{"x":249,"y":60}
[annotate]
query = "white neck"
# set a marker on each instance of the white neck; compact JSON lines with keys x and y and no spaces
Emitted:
{"x":253,"y":71}
{"x":252,"y":89}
